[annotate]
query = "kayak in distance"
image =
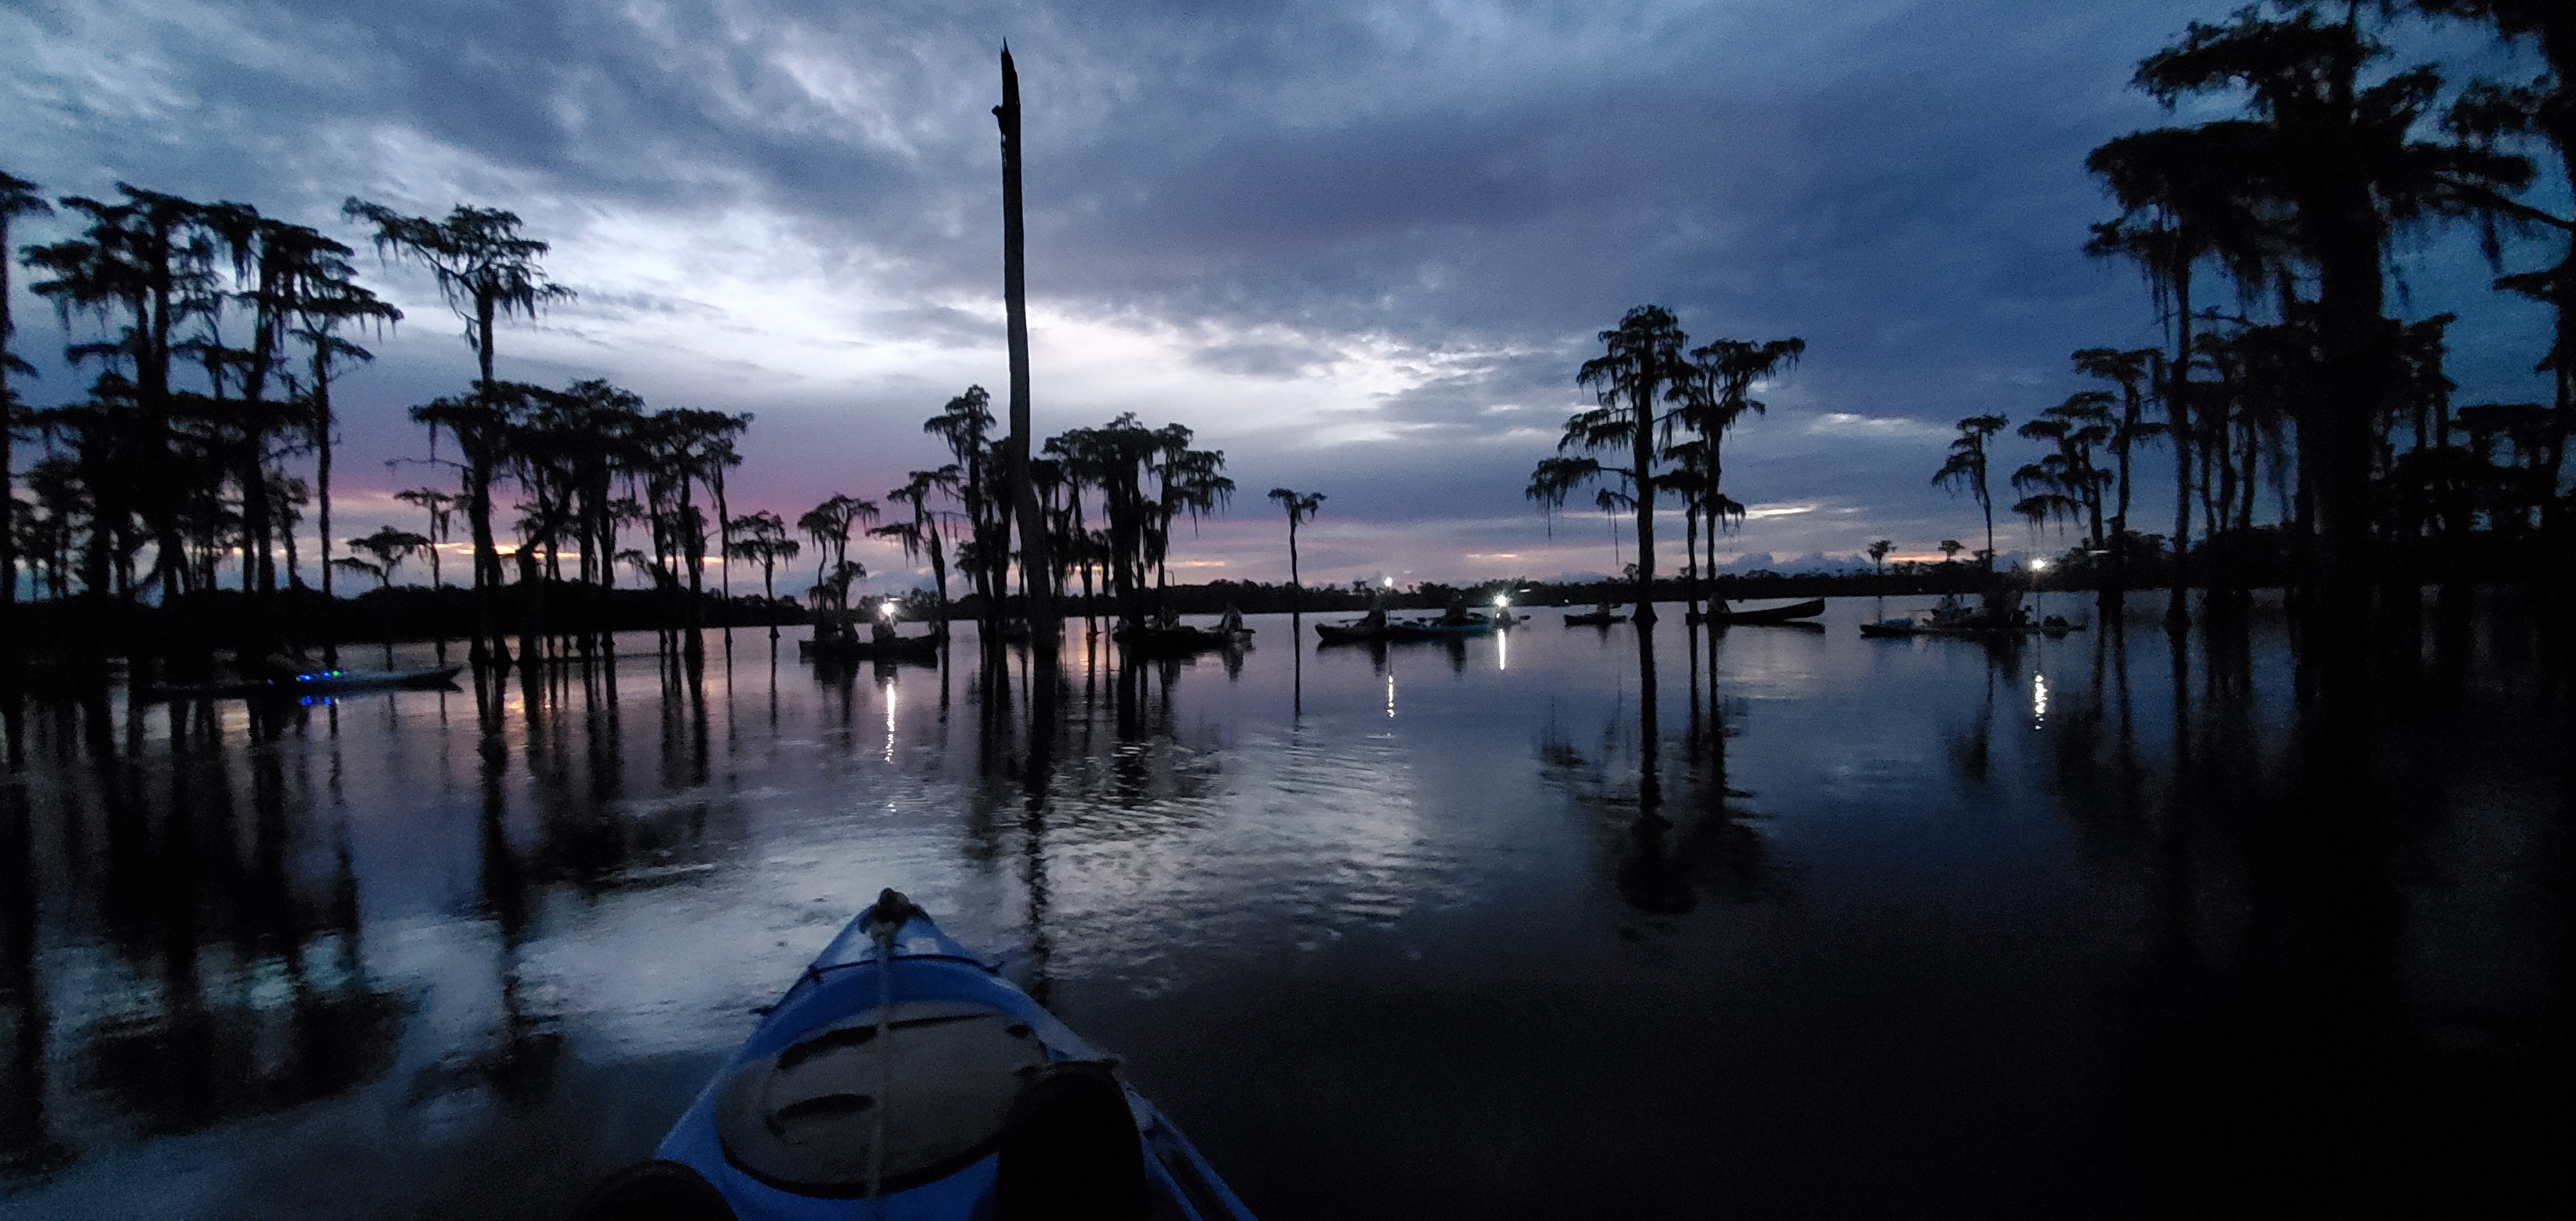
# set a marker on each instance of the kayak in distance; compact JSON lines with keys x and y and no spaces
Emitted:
{"x":317,"y":682}
{"x":861,"y":648}
{"x":2051,"y":626}
{"x":1439,"y":629}
{"x":1354,"y":632}
{"x":1370,"y":628}
{"x":1789,"y":615}
{"x":1178,"y":639}
{"x":900,"y":1077}
{"x":1999,"y":613}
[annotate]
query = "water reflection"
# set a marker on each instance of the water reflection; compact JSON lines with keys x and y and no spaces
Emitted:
{"x":2126,"y":894}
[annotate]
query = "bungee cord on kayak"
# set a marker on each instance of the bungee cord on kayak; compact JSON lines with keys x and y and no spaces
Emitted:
{"x":881,"y":931}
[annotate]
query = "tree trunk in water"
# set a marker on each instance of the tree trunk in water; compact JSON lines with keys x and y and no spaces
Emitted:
{"x":322,"y":499}
{"x":939,"y":576}
{"x":2108,"y":600}
{"x":1296,"y":587}
{"x":2557,"y":531}
{"x":2178,"y":427}
{"x":532,"y":609}
{"x":1036,"y":567}
{"x":1645,"y":458}
{"x":487,"y":648}
{"x":8,"y":481}
{"x":1987,"y":503}
{"x":692,"y":549}
{"x":2336,"y":436}
{"x":1690,"y":562}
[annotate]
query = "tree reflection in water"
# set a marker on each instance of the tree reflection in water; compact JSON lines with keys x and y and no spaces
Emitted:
{"x":1677,"y":835}
{"x":249,"y":993}
{"x":2186,"y":936}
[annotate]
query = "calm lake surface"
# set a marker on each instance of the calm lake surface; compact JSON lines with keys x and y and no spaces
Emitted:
{"x":1822,"y":926}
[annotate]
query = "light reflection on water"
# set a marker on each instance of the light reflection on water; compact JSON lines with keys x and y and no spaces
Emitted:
{"x":1814,"y":935}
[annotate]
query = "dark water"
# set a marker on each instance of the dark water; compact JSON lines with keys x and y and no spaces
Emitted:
{"x":1842,"y":928}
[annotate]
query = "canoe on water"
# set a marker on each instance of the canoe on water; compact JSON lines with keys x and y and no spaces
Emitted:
{"x":2051,"y":627}
{"x":329,"y":682}
{"x":1726,"y":616}
{"x":1354,"y":632}
{"x":318,"y":682}
{"x":900,"y":1077}
{"x":1181,"y":639}
{"x":1433,"y":629}
{"x":901,"y":648}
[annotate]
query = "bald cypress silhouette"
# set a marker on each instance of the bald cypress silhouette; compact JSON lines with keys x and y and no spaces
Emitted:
{"x":830,"y":524}
{"x":1714,"y":399}
{"x":18,"y":197}
{"x":2180,"y":193}
{"x":130,"y":270}
{"x":2135,"y":372}
{"x":486,"y":271}
{"x":965,"y":425}
{"x":2065,"y":482}
{"x":2327,"y":166}
{"x":2540,"y":110}
{"x":921,"y":530}
{"x":1299,"y":506}
{"x":1641,"y":366}
{"x":1966,"y":468}
{"x":761,"y":538}
{"x":326,"y":301}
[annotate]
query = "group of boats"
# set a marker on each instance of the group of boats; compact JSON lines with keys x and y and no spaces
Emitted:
{"x":866,"y":648}
{"x":838,"y":642}
{"x":1377,"y":627}
{"x":1999,"y":614}
{"x":1180,"y":639}
{"x":1374,"y":627}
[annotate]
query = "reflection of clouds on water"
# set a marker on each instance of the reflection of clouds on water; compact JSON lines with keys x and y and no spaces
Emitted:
{"x":1293,"y":839}
{"x":377,"y":918}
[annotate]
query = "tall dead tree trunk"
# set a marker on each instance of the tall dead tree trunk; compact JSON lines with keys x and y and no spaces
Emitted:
{"x":1036,"y":588}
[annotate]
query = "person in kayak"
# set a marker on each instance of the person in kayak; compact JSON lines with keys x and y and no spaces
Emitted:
{"x":1231,"y":621}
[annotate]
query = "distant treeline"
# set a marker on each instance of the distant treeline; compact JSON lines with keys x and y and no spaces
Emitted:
{"x":66,"y":632}
{"x":162,"y":511}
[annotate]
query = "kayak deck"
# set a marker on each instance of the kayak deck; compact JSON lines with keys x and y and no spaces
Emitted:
{"x":901,"y":1077}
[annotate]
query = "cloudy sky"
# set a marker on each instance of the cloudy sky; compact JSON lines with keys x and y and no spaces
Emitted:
{"x":1359,"y":247}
